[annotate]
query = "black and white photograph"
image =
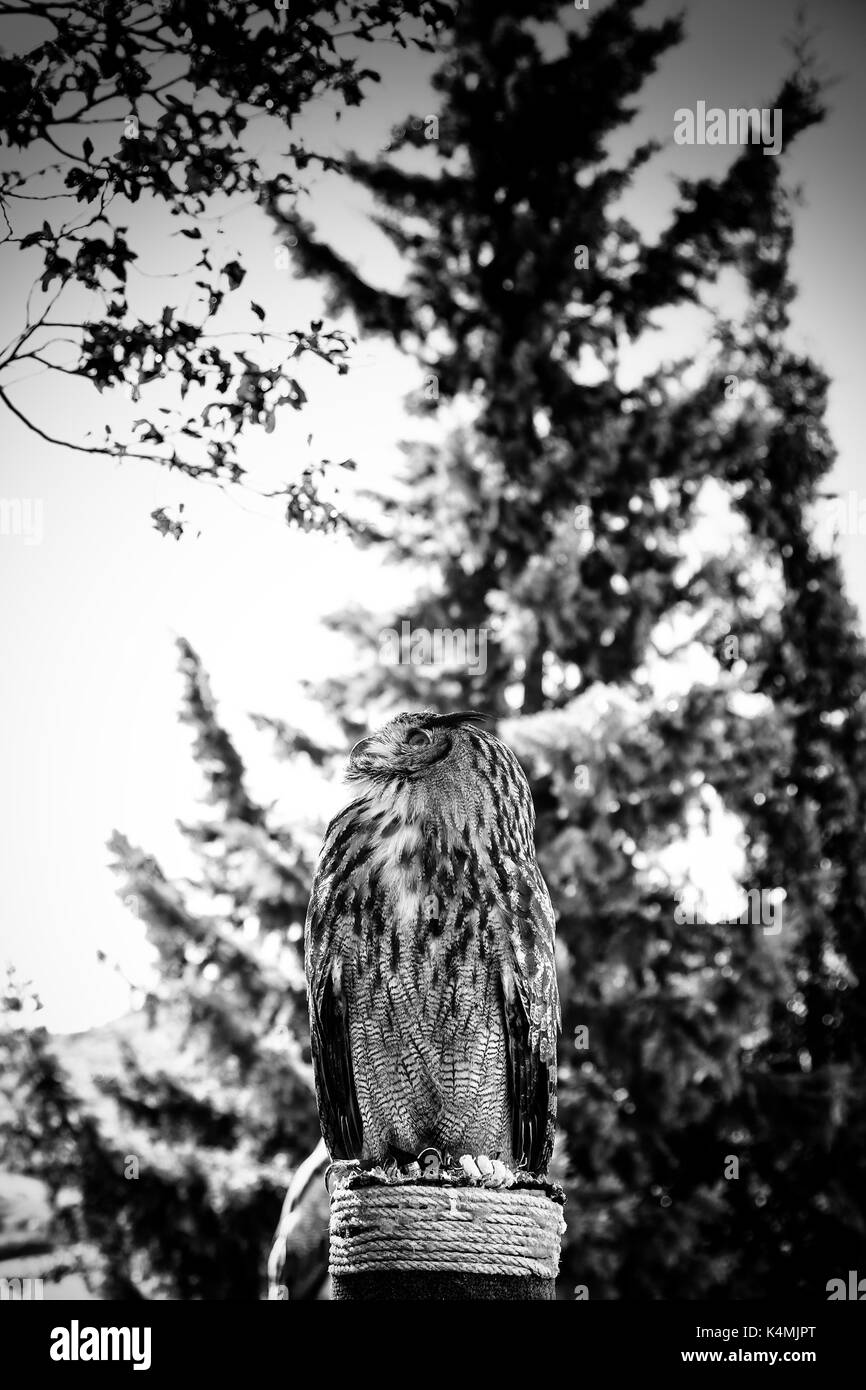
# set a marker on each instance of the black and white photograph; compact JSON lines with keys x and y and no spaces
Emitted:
{"x":433,"y":713}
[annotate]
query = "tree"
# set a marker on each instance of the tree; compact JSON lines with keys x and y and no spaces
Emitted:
{"x":650,"y":682}
{"x":652,"y":679}
{"x":118,"y":106}
{"x":173,"y":1177}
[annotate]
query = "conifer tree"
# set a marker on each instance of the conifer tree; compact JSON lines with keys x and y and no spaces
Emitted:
{"x":172,"y":1178}
{"x":667,"y":645}
{"x":711,"y":1071}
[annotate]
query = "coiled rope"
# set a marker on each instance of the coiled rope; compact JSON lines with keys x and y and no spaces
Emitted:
{"x":474,"y":1230}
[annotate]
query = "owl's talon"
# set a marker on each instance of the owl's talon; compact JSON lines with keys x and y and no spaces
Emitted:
{"x":470,"y":1168}
{"x":487,"y":1172}
{"x":502,"y":1176}
{"x":339,"y":1168}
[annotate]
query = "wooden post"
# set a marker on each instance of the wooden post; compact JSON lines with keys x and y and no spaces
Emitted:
{"x":444,"y":1239}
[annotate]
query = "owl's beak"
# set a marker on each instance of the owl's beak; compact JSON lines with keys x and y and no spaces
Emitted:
{"x":362,"y":746}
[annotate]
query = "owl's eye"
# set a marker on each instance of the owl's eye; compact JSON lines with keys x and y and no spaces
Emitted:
{"x":419,"y":738}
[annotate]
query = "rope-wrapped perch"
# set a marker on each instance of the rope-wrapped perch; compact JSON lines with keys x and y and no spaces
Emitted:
{"x":455,"y":1240}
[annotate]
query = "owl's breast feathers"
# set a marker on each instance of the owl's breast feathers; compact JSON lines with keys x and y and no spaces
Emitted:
{"x":430,"y":963}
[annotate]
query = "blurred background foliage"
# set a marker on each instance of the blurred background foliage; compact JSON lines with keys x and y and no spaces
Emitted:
{"x":562,"y":522}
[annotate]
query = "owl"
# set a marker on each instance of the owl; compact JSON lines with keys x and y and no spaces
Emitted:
{"x":429,"y":943}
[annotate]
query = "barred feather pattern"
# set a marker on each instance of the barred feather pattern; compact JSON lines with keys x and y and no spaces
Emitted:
{"x":434,"y":1009}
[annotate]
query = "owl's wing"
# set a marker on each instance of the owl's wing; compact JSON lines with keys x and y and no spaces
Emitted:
{"x":532,"y":1015}
{"x":327,"y":933}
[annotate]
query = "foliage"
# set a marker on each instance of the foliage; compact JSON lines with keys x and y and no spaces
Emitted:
{"x":666,"y":647}
{"x":171,"y":1181}
{"x":119,"y":111}
{"x":649,"y":680}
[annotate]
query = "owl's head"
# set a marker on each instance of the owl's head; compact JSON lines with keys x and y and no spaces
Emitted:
{"x":410,"y":745}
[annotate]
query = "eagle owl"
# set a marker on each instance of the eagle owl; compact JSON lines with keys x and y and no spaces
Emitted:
{"x":434,"y":1009}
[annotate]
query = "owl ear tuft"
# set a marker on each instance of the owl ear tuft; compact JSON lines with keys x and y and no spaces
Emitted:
{"x":460,"y":716}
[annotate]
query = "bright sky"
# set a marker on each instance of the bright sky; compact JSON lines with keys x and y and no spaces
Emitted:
{"x":89,"y":739}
